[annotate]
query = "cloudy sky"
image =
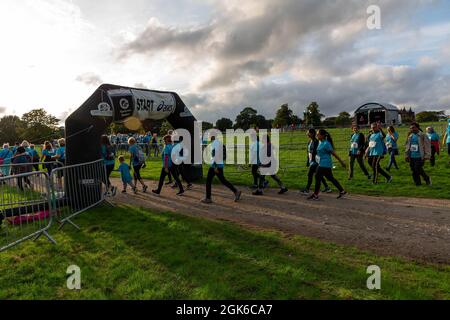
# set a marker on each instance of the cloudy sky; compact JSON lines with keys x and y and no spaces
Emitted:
{"x":221,"y":56}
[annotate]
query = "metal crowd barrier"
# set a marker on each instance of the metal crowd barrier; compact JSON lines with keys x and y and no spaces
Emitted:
{"x":30,"y":201}
{"x":25,"y":208}
{"x":78,"y":188}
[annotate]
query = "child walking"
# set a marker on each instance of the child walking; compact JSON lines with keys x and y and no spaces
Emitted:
{"x":125,"y":174}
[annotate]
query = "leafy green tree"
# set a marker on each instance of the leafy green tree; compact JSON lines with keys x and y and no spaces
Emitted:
{"x":246,"y":119}
{"x":207,"y":125}
{"x":329,"y":122}
{"x":283,"y":117}
{"x":165,"y":127}
{"x":223,"y":124}
{"x":40,"y":126}
{"x":11,"y":129}
{"x":429,"y":116}
{"x":312,"y":115}
{"x":344,"y":119}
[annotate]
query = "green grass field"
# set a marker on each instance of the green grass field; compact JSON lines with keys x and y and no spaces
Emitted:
{"x":131,"y":253}
{"x":293,"y":168}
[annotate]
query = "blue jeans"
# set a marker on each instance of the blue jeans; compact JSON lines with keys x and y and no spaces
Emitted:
{"x":392,"y":162}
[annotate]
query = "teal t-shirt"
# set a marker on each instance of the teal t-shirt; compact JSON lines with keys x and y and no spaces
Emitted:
{"x":433,"y":136}
{"x":61,"y":152}
{"x":392,"y":143}
{"x":354,"y":147}
{"x":448,"y":133}
{"x":104,"y":156}
{"x":134,"y":150}
{"x":414,"y":151}
{"x":125,"y":174}
{"x":167,"y":154}
{"x":376,"y":147}
{"x":323,"y":157}
{"x":312,"y":161}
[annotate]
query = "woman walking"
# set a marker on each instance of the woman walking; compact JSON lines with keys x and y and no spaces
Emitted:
{"x":168,"y":167}
{"x":435,"y":144}
{"x":312,"y":164}
{"x":375,"y":153}
{"x":357,"y":148}
{"x":324,"y":152}
{"x":137,"y":161}
{"x":392,"y":147}
{"x":109,"y":159}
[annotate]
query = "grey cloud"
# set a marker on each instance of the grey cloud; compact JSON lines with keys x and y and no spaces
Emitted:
{"x":90,"y":79}
{"x":2,"y":110}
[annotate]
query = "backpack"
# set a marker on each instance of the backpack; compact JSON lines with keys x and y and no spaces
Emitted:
{"x":140,"y":157}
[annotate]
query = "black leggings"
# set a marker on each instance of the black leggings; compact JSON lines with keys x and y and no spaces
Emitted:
{"x":418,"y":171}
{"x":311,"y":173}
{"x":327,"y":173}
{"x":180,"y":169}
{"x":137,"y":172}
{"x":360,"y":160}
{"x":211,"y":174}
{"x":163,"y":175}
{"x":376,"y":168}
{"x":255,"y":174}
{"x":109,"y":170}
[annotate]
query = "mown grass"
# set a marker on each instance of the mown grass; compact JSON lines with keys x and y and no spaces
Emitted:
{"x":293,"y":170}
{"x":131,"y":253}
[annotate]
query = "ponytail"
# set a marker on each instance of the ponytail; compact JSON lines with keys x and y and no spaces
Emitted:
{"x":327,"y":135}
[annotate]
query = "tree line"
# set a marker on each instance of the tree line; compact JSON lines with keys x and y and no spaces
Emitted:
{"x":35,"y":126}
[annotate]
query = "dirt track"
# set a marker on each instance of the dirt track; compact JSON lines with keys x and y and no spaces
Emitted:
{"x":414,"y":228}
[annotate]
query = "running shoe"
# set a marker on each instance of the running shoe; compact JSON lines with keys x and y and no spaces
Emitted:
{"x":113,"y":191}
{"x":327,"y":190}
{"x":390,"y":179}
{"x":189,"y":186}
{"x":134,"y":190}
{"x":144,"y":189}
{"x":237,"y":196}
{"x":429,"y":182}
{"x":313,"y":197}
{"x":304,"y":192}
{"x":257,"y":193}
{"x":342,"y":194}
{"x":156,"y":192}
{"x":180,"y":193}
{"x":206,"y":200}
{"x":124,"y":191}
{"x":170,"y":182}
{"x":283,"y":191}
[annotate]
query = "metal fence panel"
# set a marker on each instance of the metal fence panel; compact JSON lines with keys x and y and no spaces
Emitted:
{"x":77,"y":188}
{"x":25,"y":208}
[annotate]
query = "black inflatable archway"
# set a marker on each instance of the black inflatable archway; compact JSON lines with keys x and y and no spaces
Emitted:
{"x":111,"y":103}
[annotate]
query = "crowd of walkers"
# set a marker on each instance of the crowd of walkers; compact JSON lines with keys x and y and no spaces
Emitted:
{"x":368,"y":151}
{"x":24,"y":158}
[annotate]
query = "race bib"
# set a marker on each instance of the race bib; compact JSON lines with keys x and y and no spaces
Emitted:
{"x":372,"y":144}
{"x":414,"y":148}
{"x":354,"y":145}
{"x":388,"y":145}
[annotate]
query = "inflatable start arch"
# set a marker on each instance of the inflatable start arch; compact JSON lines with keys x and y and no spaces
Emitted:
{"x":111,"y":103}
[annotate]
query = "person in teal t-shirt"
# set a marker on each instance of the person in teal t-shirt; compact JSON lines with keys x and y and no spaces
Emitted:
{"x":375,"y":152}
{"x":357,"y":147}
{"x":446,"y":137}
{"x":392,"y":147}
{"x":417,"y":150}
{"x":125,"y":175}
{"x":324,"y":152}
{"x":167,"y":167}
{"x":435,"y":144}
